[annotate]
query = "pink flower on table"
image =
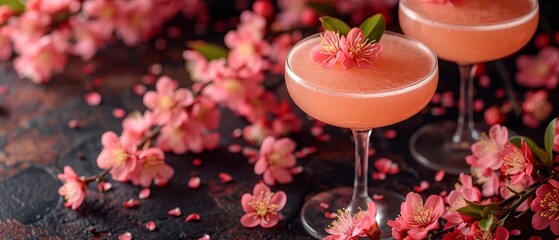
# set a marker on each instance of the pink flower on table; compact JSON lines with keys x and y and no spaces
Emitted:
{"x":136,"y":20}
{"x":42,"y":58}
{"x":151,"y":167}
{"x":417,"y":219}
{"x":343,"y":228}
{"x":262,"y":207}
{"x":202,"y":70}
{"x":328,"y":53}
{"x":256,"y":132}
{"x":276,"y":160}
{"x":206,"y":111}
{"x":168,"y":102}
{"x":359,"y":51}
{"x":73,"y":189}
{"x":367,"y":222}
{"x":136,"y":126}
{"x":28,"y":28}
{"x":118,"y":154}
{"x":489,"y":180}
{"x":247,"y":44}
{"x":484,"y":151}
{"x":105,"y":13}
{"x":545,"y":207}
{"x":518,"y":163}
{"x":539,"y":71}
{"x":183,"y":137}
{"x":536,"y":107}
{"x":476,"y":232}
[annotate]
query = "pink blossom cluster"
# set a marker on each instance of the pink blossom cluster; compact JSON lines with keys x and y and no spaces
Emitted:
{"x":501,"y":171}
{"x":236,"y":79}
{"x":43,"y":34}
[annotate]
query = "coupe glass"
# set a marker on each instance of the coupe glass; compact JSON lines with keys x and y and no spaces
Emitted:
{"x":470,"y":32}
{"x":400,"y":83}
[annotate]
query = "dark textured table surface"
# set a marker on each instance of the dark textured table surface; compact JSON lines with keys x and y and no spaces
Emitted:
{"x":36,"y":142}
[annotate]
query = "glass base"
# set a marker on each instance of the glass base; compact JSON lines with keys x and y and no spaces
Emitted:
{"x":314,"y":221}
{"x":432,"y":146}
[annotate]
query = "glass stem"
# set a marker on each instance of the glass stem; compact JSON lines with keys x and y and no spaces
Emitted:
{"x":360,"y":196}
{"x":466,"y":133}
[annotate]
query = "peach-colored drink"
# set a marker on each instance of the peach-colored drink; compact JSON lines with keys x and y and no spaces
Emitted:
{"x":400,"y":83}
{"x":470,"y":31}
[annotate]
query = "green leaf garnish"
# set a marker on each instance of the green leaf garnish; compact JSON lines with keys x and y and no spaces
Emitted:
{"x":540,"y":155}
{"x":373,"y":27}
{"x":335,"y":25}
{"x":208,"y":50}
{"x":479,"y":211}
{"x":16,"y":5}
{"x":550,"y":137}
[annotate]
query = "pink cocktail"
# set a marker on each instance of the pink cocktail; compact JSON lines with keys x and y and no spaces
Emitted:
{"x":466,"y":32}
{"x":400,"y":83}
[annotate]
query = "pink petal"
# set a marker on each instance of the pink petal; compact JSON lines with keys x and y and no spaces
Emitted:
{"x":423,"y":185}
{"x":261,"y":166}
{"x":282,"y":175}
{"x":250,"y":221}
{"x":205,"y":237}
{"x":245,"y":199}
{"x":125,"y":236}
{"x":272,"y":221}
{"x":330,"y":215}
{"x":235,"y":148}
{"x":324,"y":205}
{"x":119,"y":113}
{"x":390,"y":134}
{"x":109,"y":138}
{"x":439,"y":175}
{"x":194,"y":182}
{"x":155,"y":69}
{"x":144,"y":194}
{"x":131,"y":203}
{"x":197,"y":162}
{"x":73,"y":124}
{"x":260,"y":187}
{"x":150,"y":226}
{"x":225,"y":177}
{"x":192,"y":217}
{"x":237,"y":133}
{"x":378,"y":196}
{"x":175,"y":212}
{"x":378,"y":176}
{"x":93,"y":98}
{"x":139,"y":89}
{"x":280,"y":199}
{"x":104,"y":186}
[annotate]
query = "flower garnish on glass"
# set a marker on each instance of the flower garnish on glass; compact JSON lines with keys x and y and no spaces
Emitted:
{"x":340,"y":77}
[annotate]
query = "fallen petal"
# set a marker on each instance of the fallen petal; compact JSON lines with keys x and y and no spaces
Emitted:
{"x":104,"y":186}
{"x":324,"y":205}
{"x":194,"y":182}
{"x":155,"y":69}
{"x":125,"y":236}
{"x":131,"y":203}
{"x":144,"y":193}
{"x":390,"y":134}
{"x":378,"y":196}
{"x":330,"y":215}
{"x":205,"y":237}
{"x":73,"y":124}
{"x":225,"y":177}
{"x":93,"y":98}
{"x":235,"y":148}
{"x":423,"y":185}
{"x":192,"y":217}
{"x":439,"y":175}
{"x":175,"y":212}
{"x":119,"y":113}
{"x":139,"y":89}
{"x":197,"y":162}
{"x":150,"y":226}
{"x":378,"y":176}
{"x":237,"y":133}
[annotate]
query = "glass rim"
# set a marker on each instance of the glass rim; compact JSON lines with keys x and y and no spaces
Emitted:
{"x":376,"y":93}
{"x":403,"y":8}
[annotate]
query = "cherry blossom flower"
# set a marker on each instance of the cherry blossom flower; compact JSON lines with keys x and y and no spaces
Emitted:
{"x":484,"y":151}
{"x":42,"y":58}
{"x":276,"y":160}
{"x":512,"y":189}
{"x":73,"y":189}
{"x":536,"y":107}
{"x":328,"y":53}
{"x":517,"y":162}
{"x":256,"y":132}
{"x":135,"y":21}
{"x":151,"y":167}
{"x":262,"y":207}
{"x":343,"y":228}
{"x":545,"y":207}
{"x":167,"y":102}
{"x":200,"y":69}
{"x":87,"y":36}
{"x":456,"y":199}
{"x":367,"y":222}
{"x":417,"y":219}
{"x":136,"y":126}
{"x":493,"y":116}
{"x":29,"y":27}
{"x":358,"y":50}
{"x":539,"y":71}
{"x":476,"y":232}
{"x":105,"y":13}
{"x":246,"y":43}
{"x":182,"y":138}
{"x":118,"y":154}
